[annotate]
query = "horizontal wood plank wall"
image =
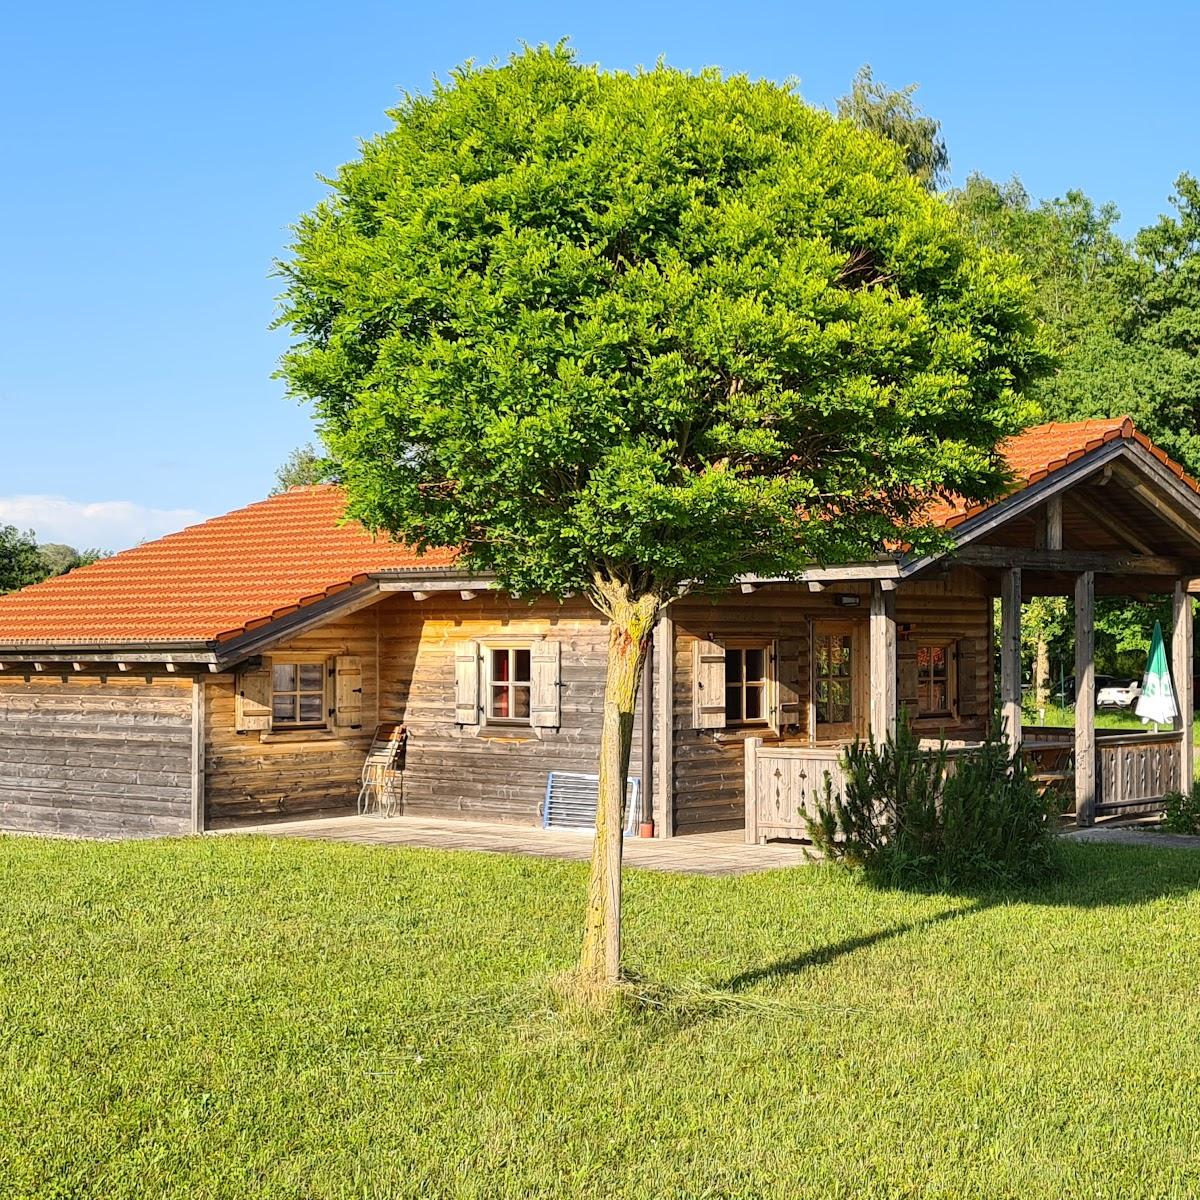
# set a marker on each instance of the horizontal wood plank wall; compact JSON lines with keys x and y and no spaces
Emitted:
{"x":94,"y":758}
{"x":473,"y":772}
{"x":709,"y":765}
{"x":247,"y":778}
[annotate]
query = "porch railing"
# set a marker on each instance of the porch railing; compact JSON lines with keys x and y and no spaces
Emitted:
{"x":1135,"y":769}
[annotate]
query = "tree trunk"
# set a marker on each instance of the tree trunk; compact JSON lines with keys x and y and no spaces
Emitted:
{"x":631,"y":623}
{"x":1041,"y":672}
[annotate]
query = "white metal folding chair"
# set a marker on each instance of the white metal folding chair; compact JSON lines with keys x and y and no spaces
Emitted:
{"x":383,"y":764}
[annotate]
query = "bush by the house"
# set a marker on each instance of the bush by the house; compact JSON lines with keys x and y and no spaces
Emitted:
{"x":1181,"y":811}
{"x":909,"y":815}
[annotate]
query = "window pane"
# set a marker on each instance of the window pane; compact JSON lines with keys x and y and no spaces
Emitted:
{"x":733,"y":703}
{"x":500,"y":665}
{"x":283,"y":708}
{"x":756,"y":664}
{"x":283,"y":677}
{"x":938,"y":698}
{"x":500,"y":701}
{"x":841,"y":655}
{"x":754,"y":705}
{"x":822,"y":654}
{"x":522,"y":671}
{"x":311,"y":708}
{"x":521,"y":702}
{"x":733,"y":666}
{"x":937,"y":661}
{"x":312,"y":677}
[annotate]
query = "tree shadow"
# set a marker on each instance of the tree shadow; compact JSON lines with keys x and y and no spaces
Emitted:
{"x":822,"y":956}
{"x":1091,"y":876}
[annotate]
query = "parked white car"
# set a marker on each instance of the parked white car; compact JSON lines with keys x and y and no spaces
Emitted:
{"x":1119,"y":695}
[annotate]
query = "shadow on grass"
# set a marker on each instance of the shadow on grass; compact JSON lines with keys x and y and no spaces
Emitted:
{"x":1089,"y":876}
{"x":822,"y":956}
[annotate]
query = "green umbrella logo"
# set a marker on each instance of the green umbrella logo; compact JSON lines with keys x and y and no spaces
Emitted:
{"x":1157,"y":701}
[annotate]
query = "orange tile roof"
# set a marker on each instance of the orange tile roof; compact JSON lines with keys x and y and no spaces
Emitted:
{"x":1038,"y":452}
{"x":211,"y":581}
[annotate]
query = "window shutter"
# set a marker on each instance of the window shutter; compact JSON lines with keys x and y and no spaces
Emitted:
{"x":466,"y":683}
{"x":544,"y":705}
{"x":708,"y":691}
{"x":348,"y":691}
{"x":964,"y":685}
{"x":789,"y":685}
{"x":253,"y":698}
{"x":906,"y":664}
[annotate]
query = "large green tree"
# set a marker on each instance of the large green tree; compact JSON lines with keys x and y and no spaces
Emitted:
{"x":636,"y":335}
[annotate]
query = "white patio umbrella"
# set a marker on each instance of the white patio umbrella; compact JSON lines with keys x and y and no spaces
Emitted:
{"x":1157,"y":701}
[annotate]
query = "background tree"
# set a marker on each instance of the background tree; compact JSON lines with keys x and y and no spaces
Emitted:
{"x":20,"y":563}
{"x":59,"y":558}
{"x":873,"y":106}
{"x":635,"y":335}
{"x":304,"y":467}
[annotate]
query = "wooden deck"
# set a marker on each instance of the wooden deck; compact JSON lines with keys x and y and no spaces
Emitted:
{"x":694,"y":854}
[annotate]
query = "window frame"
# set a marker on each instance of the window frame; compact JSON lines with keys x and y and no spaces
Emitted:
{"x":925,"y":682}
{"x":489,"y":682}
{"x":296,"y":661}
{"x":766,"y":685}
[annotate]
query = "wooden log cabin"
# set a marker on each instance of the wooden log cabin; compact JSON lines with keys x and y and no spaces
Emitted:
{"x":236,"y":671}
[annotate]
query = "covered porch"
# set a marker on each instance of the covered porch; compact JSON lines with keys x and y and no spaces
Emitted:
{"x":1117,"y":519}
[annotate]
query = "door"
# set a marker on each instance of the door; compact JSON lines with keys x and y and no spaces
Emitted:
{"x":838,"y":703}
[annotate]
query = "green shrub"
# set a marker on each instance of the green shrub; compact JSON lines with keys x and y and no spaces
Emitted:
{"x":1181,"y":811}
{"x":910,"y":816}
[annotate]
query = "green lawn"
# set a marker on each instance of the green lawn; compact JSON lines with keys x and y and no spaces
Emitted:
{"x":235,"y":1017}
{"x":1056,"y":714}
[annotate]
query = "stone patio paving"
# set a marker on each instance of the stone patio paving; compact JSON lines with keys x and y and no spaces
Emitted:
{"x":694,"y":854}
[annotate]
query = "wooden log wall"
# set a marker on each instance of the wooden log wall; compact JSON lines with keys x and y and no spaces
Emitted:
{"x":95,"y":757}
{"x":709,"y":765}
{"x":477,"y":772}
{"x":257,"y":776}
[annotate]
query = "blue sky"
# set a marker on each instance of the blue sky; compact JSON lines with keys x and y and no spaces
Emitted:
{"x":155,"y":155}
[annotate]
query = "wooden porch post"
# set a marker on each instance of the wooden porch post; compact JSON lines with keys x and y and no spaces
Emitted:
{"x":1010,"y":656}
{"x":1085,"y":699}
{"x":882,"y":682}
{"x":751,"y":745}
{"x":1181,"y":670}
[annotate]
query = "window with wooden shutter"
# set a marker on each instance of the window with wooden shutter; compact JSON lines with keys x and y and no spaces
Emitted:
{"x":252,"y":696}
{"x":348,"y":691}
{"x":906,"y":665}
{"x":708,"y":689}
{"x":790,"y":690}
{"x":935,"y":678}
{"x":466,"y":683}
{"x":545,"y":704}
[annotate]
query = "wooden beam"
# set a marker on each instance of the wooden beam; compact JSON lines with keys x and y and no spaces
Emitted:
{"x":123,"y":666}
{"x":814,"y":586}
{"x":748,"y":588}
{"x":198,"y":703}
{"x":1074,"y":561}
{"x":1010,"y":657}
{"x":1118,"y":528}
{"x":421,"y":595}
{"x":1182,"y":668}
{"x":749,"y":787}
{"x":1085,"y":699}
{"x":77,"y":666}
{"x":467,"y":594}
{"x":883,"y":663}
{"x":1049,"y":530}
{"x":664,"y":727}
{"x":1186,"y":524}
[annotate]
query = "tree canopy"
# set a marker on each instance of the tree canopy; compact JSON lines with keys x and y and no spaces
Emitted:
{"x":657,"y":324}
{"x":304,"y":467}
